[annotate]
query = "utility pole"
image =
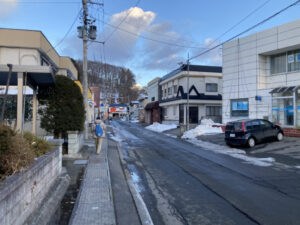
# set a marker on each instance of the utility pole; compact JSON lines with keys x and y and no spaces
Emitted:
{"x":85,"y":80}
{"x":188,"y":94}
{"x":86,"y":32}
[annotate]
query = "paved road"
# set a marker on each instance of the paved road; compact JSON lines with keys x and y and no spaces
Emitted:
{"x":183,"y":184}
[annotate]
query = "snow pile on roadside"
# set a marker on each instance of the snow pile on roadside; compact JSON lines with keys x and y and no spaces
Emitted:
{"x":233,"y":152}
{"x":48,"y":138}
{"x":158,"y":127}
{"x":134,"y":121}
{"x":205,"y":128}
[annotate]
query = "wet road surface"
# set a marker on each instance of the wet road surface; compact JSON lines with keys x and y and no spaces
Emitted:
{"x":184,"y":184}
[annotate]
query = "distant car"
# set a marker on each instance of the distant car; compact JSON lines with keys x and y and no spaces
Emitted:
{"x":251,"y":132}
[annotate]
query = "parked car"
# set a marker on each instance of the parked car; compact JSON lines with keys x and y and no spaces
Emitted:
{"x":251,"y":132}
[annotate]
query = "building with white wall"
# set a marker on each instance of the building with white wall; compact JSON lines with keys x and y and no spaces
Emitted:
{"x":261,"y":76}
{"x":152,"y":109}
{"x":34,"y":63}
{"x":205,"y":94}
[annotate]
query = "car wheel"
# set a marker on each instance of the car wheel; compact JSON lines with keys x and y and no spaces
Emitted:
{"x":251,"y":142}
{"x":279,"y":136}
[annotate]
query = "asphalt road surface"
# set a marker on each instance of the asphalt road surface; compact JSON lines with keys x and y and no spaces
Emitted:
{"x":183,"y":184}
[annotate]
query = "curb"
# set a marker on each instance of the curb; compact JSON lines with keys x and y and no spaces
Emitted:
{"x":143,"y":212}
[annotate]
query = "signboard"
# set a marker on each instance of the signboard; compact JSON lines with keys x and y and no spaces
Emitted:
{"x":112,"y":109}
{"x":234,"y":106}
{"x":291,"y":58}
{"x":298,"y":57}
{"x":239,"y":105}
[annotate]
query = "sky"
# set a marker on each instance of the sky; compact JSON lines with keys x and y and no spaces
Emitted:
{"x":152,"y":36}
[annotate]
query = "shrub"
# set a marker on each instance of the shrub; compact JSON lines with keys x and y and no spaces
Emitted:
{"x":15,"y":152}
{"x":62,"y":107}
{"x":40,"y":146}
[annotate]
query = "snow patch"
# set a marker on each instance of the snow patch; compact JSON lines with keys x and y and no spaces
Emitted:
{"x":49,"y":138}
{"x":117,"y":139}
{"x":171,"y":135}
{"x":158,"y":127}
{"x":136,"y":181}
{"x":297,"y":167}
{"x":233,"y":152}
{"x":205,"y":128}
{"x":134,"y":121}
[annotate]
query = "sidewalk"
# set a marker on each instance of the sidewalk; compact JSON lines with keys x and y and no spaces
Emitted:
{"x":94,"y":203}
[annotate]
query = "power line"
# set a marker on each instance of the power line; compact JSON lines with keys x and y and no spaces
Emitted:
{"x":242,"y":20}
{"x":247,"y":30}
{"x":44,"y":2}
{"x":150,"y":39}
{"x":129,"y":12}
{"x":152,"y":32}
{"x":67,"y":33}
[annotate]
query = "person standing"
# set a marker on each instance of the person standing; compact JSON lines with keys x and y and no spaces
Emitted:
{"x":99,"y":133}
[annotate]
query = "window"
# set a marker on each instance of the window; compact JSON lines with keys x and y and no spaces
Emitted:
{"x":278,"y":63}
{"x":293,"y":60}
{"x":253,"y":125}
{"x":175,"y":89}
{"x":165,"y":92}
{"x":285,"y":62}
{"x":169,"y":91}
{"x":152,"y":99}
{"x":265,"y":123}
{"x":213,"y":110}
{"x":239,"y":108}
{"x":211,"y":87}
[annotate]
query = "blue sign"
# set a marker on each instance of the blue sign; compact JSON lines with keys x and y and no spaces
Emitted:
{"x":234,"y":106}
{"x":291,"y":58}
{"x":239,"y":105}
{"x":298,"y":57}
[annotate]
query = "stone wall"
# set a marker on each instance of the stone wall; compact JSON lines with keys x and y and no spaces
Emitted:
{"x":22,"y":193}
{"x":75,"y":142}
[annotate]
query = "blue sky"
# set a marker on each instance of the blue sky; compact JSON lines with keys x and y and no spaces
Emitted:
{"x":188,"y":23}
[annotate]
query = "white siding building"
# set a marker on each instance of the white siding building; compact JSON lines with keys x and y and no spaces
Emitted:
{"x":153,"y":90}
{"x":205,"y":91}
{"x":261,"y":76}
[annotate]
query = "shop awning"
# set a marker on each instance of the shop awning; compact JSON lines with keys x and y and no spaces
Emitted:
{"x":284,"y":89}
{"x":152,"y":105}
{"x":36,"y":75}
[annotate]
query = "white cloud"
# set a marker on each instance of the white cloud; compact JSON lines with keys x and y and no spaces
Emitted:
{"x":142,"y":54}
{"x":7,"y":7}
{"x":120,"y":46}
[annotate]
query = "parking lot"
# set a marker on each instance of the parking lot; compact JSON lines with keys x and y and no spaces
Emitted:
{"x":286,"y":151}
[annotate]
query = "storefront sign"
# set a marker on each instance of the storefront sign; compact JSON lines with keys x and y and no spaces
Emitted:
{"x":240,"y":105}
{"x":298,"y":57}
{"x":291,"y":58}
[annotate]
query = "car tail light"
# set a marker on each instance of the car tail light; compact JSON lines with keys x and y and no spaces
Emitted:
{"x":243,"y":127}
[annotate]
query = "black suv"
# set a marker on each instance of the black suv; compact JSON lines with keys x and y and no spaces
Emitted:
{"x":251,"y":132}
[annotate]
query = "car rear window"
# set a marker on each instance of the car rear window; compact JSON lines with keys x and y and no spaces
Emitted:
{"x":234,"y":126}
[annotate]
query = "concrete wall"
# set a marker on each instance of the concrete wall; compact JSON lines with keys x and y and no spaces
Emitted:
{"x":246,"y":68}
{"x":22,"y":193}
{"x":75,"y":142}
{"x":24,"y":47}
{"x":19,"y":56}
